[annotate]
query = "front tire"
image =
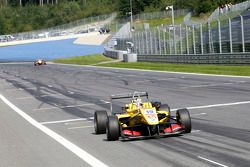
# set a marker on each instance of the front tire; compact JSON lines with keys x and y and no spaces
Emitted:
{"x":183,"y":117}
{"x":113,"y":128}
{"x":100,"y":119}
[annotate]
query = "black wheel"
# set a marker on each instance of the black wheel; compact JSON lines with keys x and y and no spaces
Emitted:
{"x":183,"y":117}
{"x":164,"y":107}
{"x":100,"y":119}
{"x":113,"y":128}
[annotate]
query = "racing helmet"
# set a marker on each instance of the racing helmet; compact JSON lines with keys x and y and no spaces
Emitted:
{"x":138,"y":102}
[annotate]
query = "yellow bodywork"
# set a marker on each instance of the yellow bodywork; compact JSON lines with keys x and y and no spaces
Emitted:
{"x":39,"y":62}
{"x":145,"y":114}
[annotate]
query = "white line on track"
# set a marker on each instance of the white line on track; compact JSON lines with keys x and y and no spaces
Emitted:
{"x":215,"y":105}
{"x":219,"y":164}
{"x":107,"y":102}
{"x":63,"y":121}
{"x":81,"y":127}
{"x":88,"y":158}
{"x":199,"y":114}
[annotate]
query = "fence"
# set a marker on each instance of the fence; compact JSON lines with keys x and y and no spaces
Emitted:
{"x":224,"y":37}
{"x":228,"y":9}
{"x":76,"y":27}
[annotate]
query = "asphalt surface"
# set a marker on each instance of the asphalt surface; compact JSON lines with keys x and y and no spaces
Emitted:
{"x":63,"y":98}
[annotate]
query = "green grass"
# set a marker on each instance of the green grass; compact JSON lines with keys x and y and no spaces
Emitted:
{"x":191,"y":68}
{"x":239,"y":70}
{"x":157,"y":22}
{"x":83,"y":60}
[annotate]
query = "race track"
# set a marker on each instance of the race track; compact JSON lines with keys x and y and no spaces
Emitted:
{"x":46,"y":117}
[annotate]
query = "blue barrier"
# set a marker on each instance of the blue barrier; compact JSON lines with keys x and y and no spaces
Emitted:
{"x":47,"y":50}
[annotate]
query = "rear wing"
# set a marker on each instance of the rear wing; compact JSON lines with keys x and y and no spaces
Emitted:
{"x":129,"y":95}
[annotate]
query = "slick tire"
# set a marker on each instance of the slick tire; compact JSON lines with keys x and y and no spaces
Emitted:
{"x":165,"y":107}
{"x":183,"y":117}
{"x":113,"y":128}
{"x":100,"y":119}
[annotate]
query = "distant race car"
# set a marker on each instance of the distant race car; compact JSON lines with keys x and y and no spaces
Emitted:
{"x":40,"y":62}
{"x":140,"y":119}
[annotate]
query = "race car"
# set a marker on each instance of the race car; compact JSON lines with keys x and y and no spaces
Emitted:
{"x":40,"y":62}
{"x":140,"y":119}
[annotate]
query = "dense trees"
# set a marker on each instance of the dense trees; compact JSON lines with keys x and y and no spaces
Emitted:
{"x":27,"y":15}
{"x":14,"y":18}
{"x":204,"y":6}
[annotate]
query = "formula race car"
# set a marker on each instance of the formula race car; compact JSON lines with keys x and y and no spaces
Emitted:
{"x":40,"y":62}
{"x":140,"y":119}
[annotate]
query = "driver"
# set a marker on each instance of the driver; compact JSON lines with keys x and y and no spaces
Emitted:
{"x":138,"y":103}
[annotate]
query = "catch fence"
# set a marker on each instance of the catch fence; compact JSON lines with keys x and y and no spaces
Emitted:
{"x":220,"y":37}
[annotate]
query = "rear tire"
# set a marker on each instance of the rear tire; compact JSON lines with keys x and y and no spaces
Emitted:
{"x":113,"y":128}
{"x":100,"y":119}
{"x":183,"y":117}
{"x":164,"y":107}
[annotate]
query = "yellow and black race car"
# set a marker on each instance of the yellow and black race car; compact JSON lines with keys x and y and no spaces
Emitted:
{"x":40,"y":62}
{"x":140,"y":119}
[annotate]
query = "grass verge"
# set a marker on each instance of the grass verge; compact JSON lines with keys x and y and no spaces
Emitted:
{"x":189,"y":68}
{"x":83,"y":60}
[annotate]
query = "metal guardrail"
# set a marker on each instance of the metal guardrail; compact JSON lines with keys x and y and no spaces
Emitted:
{"x":237,"y":58}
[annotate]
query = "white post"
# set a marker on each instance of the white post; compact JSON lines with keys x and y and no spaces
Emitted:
{"x":181,"y":39}
{"x":219,"y":32}
{"x":242,"y":33}
{"x":187,"y":40}
{"x":173,"y":29}
{"x":165,"y":48}
{"x":201,"y":39}
{"x":194,"y":46}
{"x":131,"y":16}
{"x":159,"y":36}
{"x":173,"y":24}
